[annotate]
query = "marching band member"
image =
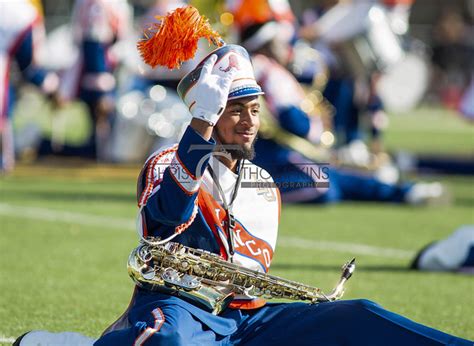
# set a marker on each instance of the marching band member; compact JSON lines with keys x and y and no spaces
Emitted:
{"x":22,"y":30}
{"x":452,"y":57}
{"x":194,"y":194}
{"x":453,"y":253}
{"x":96,"y":26}
{"x":286,"y":164}
{"x":351,"y":96}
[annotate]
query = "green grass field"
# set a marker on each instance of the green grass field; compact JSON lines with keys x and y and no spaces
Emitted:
{"x":66,"y":233}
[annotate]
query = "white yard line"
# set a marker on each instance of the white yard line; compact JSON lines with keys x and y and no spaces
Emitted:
{"x":37,"y":213}
{"x":6,"y":340}
{"x":350,"y":248}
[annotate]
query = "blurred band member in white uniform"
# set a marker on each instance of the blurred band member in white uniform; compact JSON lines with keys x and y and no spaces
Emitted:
{"x":96,"y":26}
{"x":22,"y":31}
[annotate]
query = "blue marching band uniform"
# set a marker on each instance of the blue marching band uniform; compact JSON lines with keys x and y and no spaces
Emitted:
{"x":159,"y":319}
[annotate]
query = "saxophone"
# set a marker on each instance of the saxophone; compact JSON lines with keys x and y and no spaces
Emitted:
{"x":206,"y":280}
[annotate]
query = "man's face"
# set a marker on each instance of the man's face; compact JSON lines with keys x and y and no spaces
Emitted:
{"x":238,"y":125}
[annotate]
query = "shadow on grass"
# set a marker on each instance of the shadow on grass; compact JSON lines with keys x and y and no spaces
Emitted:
{"x":464,"y":201}
{"x":328,"y":267}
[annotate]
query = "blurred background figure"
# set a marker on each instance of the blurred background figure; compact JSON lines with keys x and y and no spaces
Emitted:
{"x":453,"y":56}
{"x":144,"y":76}
{"x":466,"y":106}
{"x":351,"y":92}
{"x":96,"y":26}
{"x":343,"y":74}
{"x":454,"y":253}
{"x":149,"y":112}
{"x":249,"y":12}
{"x":22,"y":33}
{"x":399,"y":14}
{"x":370,"y":66}
{"x":288,"y":147}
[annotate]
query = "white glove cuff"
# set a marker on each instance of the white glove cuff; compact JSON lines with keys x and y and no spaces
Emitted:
{"x":210,"y":117}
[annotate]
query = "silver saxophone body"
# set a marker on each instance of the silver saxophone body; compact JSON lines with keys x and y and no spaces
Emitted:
{"x":210,"y":282}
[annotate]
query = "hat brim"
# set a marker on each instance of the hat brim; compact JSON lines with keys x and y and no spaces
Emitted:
{"x":245,"y":92}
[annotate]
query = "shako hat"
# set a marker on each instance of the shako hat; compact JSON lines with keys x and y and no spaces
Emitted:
{"x":228,"y":56}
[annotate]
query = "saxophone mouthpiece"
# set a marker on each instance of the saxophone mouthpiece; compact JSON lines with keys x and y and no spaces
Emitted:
{"x":348,"y":269}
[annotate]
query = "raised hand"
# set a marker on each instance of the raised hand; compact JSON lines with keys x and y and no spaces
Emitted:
{"x":211,"y":92}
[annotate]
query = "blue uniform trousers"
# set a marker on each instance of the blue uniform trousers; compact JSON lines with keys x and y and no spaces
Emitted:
{"x":343,"y":184}
{"x":157,"y":320}
{"x":340,"y":93}
{"x":350,"y":186}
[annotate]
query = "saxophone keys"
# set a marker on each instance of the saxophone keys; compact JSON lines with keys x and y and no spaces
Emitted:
{"x":210,"y":273}
{"x":222,"y":277}
{"x":190,"y":282}
{"x":173,"y":278}
{"x":147,"y":272}
{"x":144,"y":254}
{"x":278,"y":292}
{"x":199,"y":269}
{"x":184,"y":265}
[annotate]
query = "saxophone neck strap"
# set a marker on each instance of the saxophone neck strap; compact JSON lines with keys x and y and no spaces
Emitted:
{"x":228,"y":206}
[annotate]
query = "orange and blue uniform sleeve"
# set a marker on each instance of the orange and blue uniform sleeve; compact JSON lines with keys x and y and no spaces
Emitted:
{"x":175,"y":189}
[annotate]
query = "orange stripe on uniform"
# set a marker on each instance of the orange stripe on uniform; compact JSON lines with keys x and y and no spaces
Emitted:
{"x":247,"y":304}
{"x":147,"y":333}
{"x":189,"y":193}
{"x":184,"y":226}
{"x":279,"y":203}
{"x":208,"y":206}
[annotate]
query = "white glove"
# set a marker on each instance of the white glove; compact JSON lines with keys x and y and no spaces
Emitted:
{"x":211,"y":92}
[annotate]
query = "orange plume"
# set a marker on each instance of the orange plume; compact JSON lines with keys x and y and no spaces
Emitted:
{"x":174,"y":39}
